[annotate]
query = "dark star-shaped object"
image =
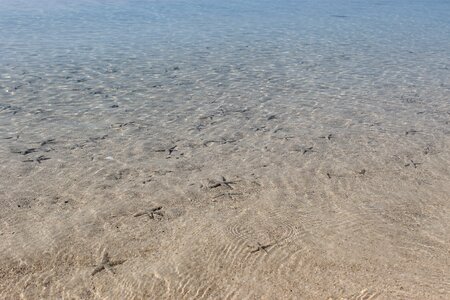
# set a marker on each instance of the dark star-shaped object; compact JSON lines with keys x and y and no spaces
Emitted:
{"x":106,"y":264}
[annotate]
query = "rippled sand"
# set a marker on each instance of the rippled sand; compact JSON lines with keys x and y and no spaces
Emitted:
{"x":254,"y":170}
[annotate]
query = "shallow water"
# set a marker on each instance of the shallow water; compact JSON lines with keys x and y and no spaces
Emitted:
{"x":333,"y":118}
{"x":83,"y":57}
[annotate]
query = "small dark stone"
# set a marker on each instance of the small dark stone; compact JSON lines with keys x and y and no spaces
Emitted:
{"x":114,"y":106}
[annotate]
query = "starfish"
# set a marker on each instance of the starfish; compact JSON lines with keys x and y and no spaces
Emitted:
{"x":26,"y":151}
{"x":151,"y":213}
{"x":412,"y":131}
{"x":168,"y":150}
{"x":229,"y":195}
{"x":261,"y":248}
{"x":38,"y":159}
{"x":122,"y":125}
{"x":221,"y":182}
{"x":222,"y":141}
{"x":309,"y":149}
{"x":412,"y":163}
{"x":106,"y":264}
{"x":327,"y":137}
{"x":48,"y":141}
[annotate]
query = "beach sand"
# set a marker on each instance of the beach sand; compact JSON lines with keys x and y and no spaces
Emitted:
{"x":225,"y":195}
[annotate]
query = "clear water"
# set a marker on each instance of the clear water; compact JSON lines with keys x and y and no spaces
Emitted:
{"x":51,"y":52}
{"x":342,"y":42}
{"x":103,"y":88}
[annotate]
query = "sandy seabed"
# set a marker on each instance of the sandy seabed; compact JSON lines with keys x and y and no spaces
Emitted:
{"x":203,"y":195}
{"x":196,"y":152}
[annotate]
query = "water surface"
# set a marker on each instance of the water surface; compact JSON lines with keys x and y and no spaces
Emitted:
{"x":330,"y":118}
